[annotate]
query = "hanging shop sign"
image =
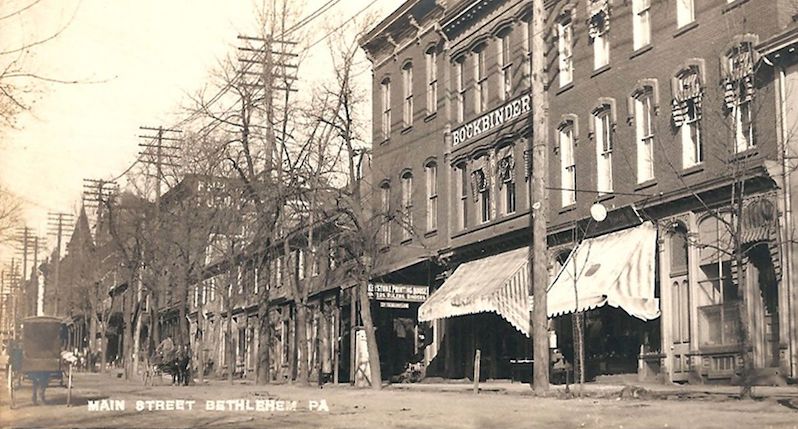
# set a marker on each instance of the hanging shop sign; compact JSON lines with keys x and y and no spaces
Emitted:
{"x":497,"y":117}
{"x":398,"y":292}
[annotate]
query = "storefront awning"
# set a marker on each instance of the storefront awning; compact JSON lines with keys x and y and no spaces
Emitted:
{"x":615,"y":269}
{"x":497,"y":284}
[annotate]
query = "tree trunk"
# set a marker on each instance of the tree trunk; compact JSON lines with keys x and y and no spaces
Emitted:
{"x":264,"y":340}
{"x":302,"y":343}
{"x":371,"y":337}
{"x":231,"y":364}
{"x":127,"y":335}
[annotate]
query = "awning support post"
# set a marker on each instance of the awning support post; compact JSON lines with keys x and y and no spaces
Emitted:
{"x":477,"y":356}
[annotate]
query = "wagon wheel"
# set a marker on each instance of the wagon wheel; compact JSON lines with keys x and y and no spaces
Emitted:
{"x":10,"y":384}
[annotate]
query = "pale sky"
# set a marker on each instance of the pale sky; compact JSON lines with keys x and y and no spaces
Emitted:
{"x":146,"y":55}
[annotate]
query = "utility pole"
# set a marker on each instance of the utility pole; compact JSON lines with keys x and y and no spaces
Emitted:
{"x":538,"y":202}
{"x":97,"y":192}
{"x":263,"y":51}
{"x":58,"y":222}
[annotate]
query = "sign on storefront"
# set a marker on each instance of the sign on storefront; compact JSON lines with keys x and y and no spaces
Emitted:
{"x":497,"y":117}
{"x":398,"y":292}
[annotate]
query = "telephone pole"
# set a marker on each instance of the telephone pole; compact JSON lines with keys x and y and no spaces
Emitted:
{"x":97,"y":192}
{"x":58,"y":222}
{"x":271,"y":56}
{"x":538,"y":143}
{"x":164,"y":155}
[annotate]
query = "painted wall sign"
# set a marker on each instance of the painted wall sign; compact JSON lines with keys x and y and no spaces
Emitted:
{"x":509,"y":111}
{"x":397,"y":292}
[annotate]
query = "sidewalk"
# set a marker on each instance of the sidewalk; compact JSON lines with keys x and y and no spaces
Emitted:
{"x":603,"y":390}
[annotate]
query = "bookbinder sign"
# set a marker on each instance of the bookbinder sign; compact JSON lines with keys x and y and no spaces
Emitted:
{"x":392,"y":295}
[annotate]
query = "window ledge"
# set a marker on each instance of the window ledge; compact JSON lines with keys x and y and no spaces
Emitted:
{"x":565,"y":87}
{"x":733,"y":5}
{"x":645,"y":185}
{"x":685,"y":29}
{"x":600,"y":70}
{"x":746,"y":154}
{"x":641,"y":50}
{"x":431,"y":233}
{"x":605,"y":197}
{"x":406,"y":129}
{"x":692,"y":170}
{"x":568,"y":208}
{"x":431,"y":116}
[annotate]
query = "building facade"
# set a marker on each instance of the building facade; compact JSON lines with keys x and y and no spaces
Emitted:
{"x":665,"y":114}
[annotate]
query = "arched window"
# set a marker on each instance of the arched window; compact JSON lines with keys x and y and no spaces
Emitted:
{"x":688,"y":90}
{"x":407,"y":89}
{"x":567,"y":145}
{"x":480,"y":184}
{"x":480,"y":79}
{"x":431,"y":170}
{"x":644,"y":108}
{"x":598,"y":31}
{"x":565,"y":47}
{"x":641,"y":23}
{"x":504,"y":57}
{"x":603,"y":124}
{"x":385,"y":199}
{"x":738,"y":82}
{"x":431,"y":55}
{"x":460,"y":86}
{"x":407,"y":205}
{"x":680,"y":286}
{"x":385,"y":97}
{"x":462,"y":187}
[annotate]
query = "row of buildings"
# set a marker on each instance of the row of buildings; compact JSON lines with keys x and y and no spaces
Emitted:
{"x":676,"y":117}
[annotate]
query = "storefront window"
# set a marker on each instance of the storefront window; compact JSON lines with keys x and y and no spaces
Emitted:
{"x":717,"y":297}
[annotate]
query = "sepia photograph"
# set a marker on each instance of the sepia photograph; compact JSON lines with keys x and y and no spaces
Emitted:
{"x":398,"y":214}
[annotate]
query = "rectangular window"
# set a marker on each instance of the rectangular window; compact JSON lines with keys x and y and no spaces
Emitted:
{"x":505,"y":65}
{"x":509,"y":196}
{"x":743,"y":126}
{"x":278,"y":272}
{"x":718,"y":309}
{"x":407,"y":206}
{"x":601,"y":50}
{"x":645,"y":137}
{"x":692,"y":150}
{"x":386,"y":207}
{"x":459,"y":78}
{"x":480,"y":81}
{"x":484,"y":203}
{"x":432,"y":197}
{"x":568,"y":165}
{"x":385,"y":89}
{"x":315,"y":268}
{"x":432,"y":81}
{"x":407,"y":86}
{"x":565,"y":43}
{"x":641,"y":23}
{"x":463,"y":194}
{"x":603,"y":130}
{"x":685,"y":12}
{"x":526,"y":28}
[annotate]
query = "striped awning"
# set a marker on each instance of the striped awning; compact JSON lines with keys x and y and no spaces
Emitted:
{"x":497,"y":284}
{"x":615,"y":269}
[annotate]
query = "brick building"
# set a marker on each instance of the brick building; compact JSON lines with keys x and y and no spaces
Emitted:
{"x":663,"y":114}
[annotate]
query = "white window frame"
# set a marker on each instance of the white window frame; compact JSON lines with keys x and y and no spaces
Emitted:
{"x":407,"y":206}
{"x":685,"y":12}
{"x":480,"y":80}
{"x":431,"y":170}
{"x":644,"y":132}
{"x":567,"y":164}
{"x":459,"y":73}
{"x":601,"y":50}
{"x":385,"y":196}
{"x":602,"y":120}
{"x":565,"y":45}
{"x":504,"y":57}
{"x":641,"y":23}
{"x":407,"y":88}
{"x":385,"y":88}
{"x":462,"y":181}
{"x":432,"y":80}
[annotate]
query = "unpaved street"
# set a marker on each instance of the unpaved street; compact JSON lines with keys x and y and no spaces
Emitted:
{"x":391,"y":408}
